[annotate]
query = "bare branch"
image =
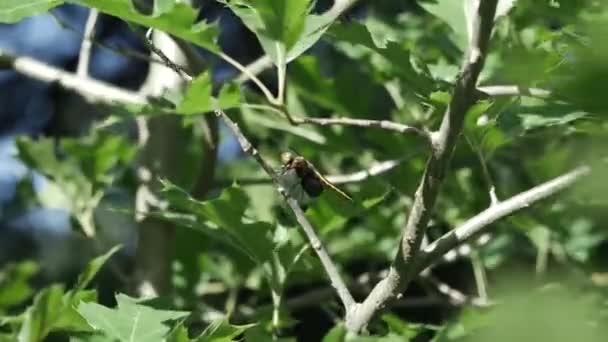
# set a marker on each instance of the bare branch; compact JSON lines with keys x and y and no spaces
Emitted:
{"x":384,"y":124}
{"x":443,"y":142}
{"x":514,"y":90}
{"x":344,"y":121}
{"x":483,"y":220}
{"x":330,"y":268}
{"x":255,"y":68}
{"x":93,"y":90}
{"x":359,"y":176}
{"x":376,"y":169}
{"x":84,"y":57}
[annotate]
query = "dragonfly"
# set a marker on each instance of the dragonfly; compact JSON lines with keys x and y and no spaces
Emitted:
{"x":302,"y":180}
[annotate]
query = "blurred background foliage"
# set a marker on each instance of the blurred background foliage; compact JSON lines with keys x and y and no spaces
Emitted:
{"x":69,"y":178}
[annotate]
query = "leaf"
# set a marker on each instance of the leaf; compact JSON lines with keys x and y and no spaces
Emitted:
{"x":130,"y":321}
{"x":69,"y":319}
{"x":314,"y":28}
{"x":336,"y":334}
{"x":178,"y":334}
{"x":81,"y":176}
{"x":532,"y":121}
{"x":14,"y":287}
{"x":458,"y":15}
{"x":174,"y":17}
{"x":278,"y":24}
{"x":93,"y":268}
{"x":38,"y":319}
{"x":198,"y":96}
{"x":12,"y":11}
{"x":98,"y":154}
{"x":452,"y":13}
{"x":222,"y":331}
{"x":397,"y":59}
{"x":225,"y":219}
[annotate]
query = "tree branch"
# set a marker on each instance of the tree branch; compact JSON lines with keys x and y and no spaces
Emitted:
{"x":384,"y":124}
{"x":376,"y":169}
{"x":443,"y":142}
{"x":514,"y":90}
{"x":93,"y":90}
{"x":84,"y":57}
{"x":330,"y":268}
{"x":483,"y":220}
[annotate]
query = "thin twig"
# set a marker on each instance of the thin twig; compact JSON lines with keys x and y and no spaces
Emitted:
{"x":481,"y":278}
{"x":483,"y":220}
{"x":178,"y":69}
{"x":84,"y":57}
{"x":403,"y":269}
{"x":243,"y":69}
{"x":254,"y":68}
{"x":330,"y":268}
{"x":384,"y":124}
{"x":93,"y":90}
{"x":343,"y":121}
{"x":129,"y":53}
{"x":375,"y":169}
{"x":484,"y":168}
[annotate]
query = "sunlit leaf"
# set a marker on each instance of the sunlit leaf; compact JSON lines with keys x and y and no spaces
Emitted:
{"x":177,"y":18}
{"x":12,"y":11}
{"x":129,"y":321}
{"x":93,"y":267}
{"x":277,"y":24}
{"x":198,"y":97}
{"x":222,"y":331}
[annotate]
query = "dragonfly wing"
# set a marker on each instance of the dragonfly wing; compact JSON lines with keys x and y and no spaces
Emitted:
{"x":330,"y":184}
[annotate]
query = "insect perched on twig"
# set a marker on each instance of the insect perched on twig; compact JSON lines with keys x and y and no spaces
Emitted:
{"x":302,"y":180}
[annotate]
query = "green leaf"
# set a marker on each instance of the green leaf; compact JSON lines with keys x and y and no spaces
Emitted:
{"x":314,"y":28}
{"x":12,"y":11}
{"x":278,"y":24}
{"x":98,"y":154}
{"x":14,"y":287}
{"x":93,"y":267}
{"x":198,"y":97}
{"x":396,"y":58}
{"x":130,"y":321}
{"x":178,"y":334}
{"x":532,"y":121}
{"x":225,"y":213}
{"x":91,"y":338}
{"x":451,"y":12}
{"x":336,"y":334}
{"x":81,"y":176}
{"x":455,"y":14}
{"x":38,"y":319}
{"x":69,"y":319}
{"x":222,"y":331}
{"x":173,"y":17}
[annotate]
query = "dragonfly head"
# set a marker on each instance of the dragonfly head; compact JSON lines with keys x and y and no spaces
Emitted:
{"x":287,"y":157}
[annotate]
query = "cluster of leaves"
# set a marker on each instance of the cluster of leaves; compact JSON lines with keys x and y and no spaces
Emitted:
{"x":242,"y":244}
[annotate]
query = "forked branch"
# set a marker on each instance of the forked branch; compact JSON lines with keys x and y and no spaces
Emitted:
{"x":443,"y":141}
{"x":481,"y":221}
